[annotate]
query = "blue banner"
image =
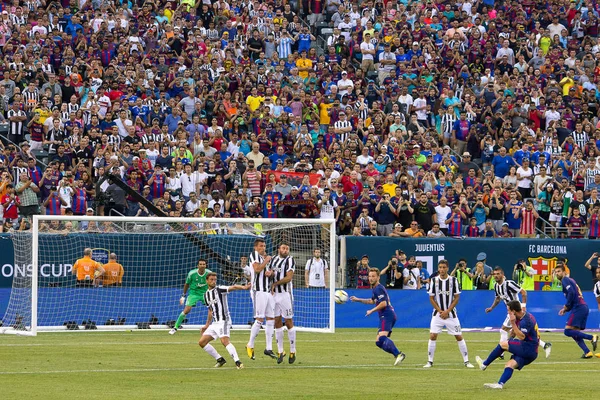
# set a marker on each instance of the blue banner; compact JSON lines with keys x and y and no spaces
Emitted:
{"x":142,"y":255}
{"x":412,"y":307}
{"x":541,"y":255}
{"x":414,"y":310}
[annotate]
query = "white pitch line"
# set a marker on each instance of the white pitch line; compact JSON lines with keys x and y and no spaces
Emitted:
{"x":192,"y":342}
{"x":414,"y":367}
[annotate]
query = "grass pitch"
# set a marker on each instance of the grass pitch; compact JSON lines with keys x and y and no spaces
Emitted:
{"x":347,"y":364}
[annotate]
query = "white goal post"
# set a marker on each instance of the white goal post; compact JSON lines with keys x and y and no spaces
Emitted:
{"x":156,"y":254}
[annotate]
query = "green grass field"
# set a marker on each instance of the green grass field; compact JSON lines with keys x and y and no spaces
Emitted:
{"x":155,"y":365}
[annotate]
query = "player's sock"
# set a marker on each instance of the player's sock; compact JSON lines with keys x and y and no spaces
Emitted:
{"x":462,"y":346}
{"x":503,"y":335}
{"x":389,"y":346}
{"x":212,"y":351}
{"x":269,"y":329}
{"x":254,"y":333}
{"x":279,"y":339}
{"x":497,"y":352}
{"x":232,"y":352}
{"x":179,"y":320}
{"x":431,"y":350}
{"x":292,"y":339}
{"x":506,"y":375}
{"x":542,"y":343}
{"x":582,"y":345}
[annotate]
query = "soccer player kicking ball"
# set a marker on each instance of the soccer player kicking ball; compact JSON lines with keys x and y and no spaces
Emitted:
{"x":579,"y":313}
{"x":524,"y":346}
{"x":507,"y":291}
{"x":387,"y":315}
{"x":218,"y":323}
{"x":444,"y":294}
{"x":196,"y":284}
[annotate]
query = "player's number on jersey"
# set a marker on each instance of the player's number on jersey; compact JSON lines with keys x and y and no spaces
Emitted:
{"x":288,"y":312}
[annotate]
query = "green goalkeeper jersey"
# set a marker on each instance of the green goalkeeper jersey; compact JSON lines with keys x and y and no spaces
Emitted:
{"x":197,"y":282}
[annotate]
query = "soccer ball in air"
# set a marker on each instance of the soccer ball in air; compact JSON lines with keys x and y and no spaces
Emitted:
{"x":341,"y":297}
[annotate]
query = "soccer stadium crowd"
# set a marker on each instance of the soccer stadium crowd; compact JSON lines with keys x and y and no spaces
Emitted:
{"x":409,"y":118}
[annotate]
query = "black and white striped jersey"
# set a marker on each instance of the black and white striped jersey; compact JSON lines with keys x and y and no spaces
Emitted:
{"x":260,"y":282}
{"x":216,"y":301}
{"x":443,"y":292}
{"x":580,"y":138}
{"x":341,"y":125}
{"x":507,"y":291}
{"x":447,"y":122}
{"x":597,"y":289}
{"x":281,"y":266}
{"x":16,"y":127}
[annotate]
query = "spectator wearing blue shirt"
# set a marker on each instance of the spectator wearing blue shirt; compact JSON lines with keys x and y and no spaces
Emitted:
{"x":480,"y":211}
{"x":522,"y":154}
{"x":173,"y":120}
{"x":501,"y":163}
{"x":280,"y":156}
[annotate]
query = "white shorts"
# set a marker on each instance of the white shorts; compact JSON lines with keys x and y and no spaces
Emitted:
{"x":218,"y":329}
{"x":264,"y":305}
{"x":36,"y":145}
{"x":452,"y":324}
{"x":283,"y":305}
{"x":506,"y":322}
{"x":555,"y":217}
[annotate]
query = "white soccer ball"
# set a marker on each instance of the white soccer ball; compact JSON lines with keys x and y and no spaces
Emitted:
{"x":341,"y":297}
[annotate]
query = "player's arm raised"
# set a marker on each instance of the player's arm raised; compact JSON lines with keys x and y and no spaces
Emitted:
{"x":239,"y":287}
{"x":494,"y":304}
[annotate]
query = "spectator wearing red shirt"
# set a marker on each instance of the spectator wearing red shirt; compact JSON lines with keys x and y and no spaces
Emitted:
{"x":10,"y":203}
{"x":352,"y":184}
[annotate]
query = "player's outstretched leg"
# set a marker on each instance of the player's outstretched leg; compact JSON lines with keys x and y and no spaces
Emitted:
{"x":547,"y":346}
{"x":579,"y":337}
{"x":495,"y":354}
{"x":207,"y":347}
{"x":386,"y":344}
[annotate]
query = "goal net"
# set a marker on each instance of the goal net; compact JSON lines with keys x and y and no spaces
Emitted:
{"x":156,"y":254}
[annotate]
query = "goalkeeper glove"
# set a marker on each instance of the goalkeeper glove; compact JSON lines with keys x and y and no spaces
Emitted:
{"x":182,"y":300}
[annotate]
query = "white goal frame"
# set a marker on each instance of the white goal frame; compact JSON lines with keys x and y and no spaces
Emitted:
{"x":37,"y":219}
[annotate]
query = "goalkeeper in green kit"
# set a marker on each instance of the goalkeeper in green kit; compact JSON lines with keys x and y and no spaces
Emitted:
{"x":196,"y":283}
